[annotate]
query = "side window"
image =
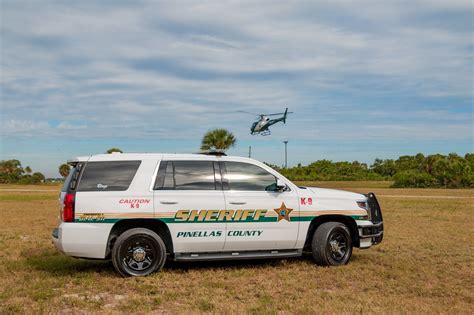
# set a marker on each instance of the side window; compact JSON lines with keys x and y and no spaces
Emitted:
{"x":169,"y":177}
{"x":70,"y":183}
{"x":108,"y":176}
{"x":186,"y":175}
{"x":245,"y":176}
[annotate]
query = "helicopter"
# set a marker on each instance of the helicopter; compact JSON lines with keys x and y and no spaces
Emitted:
{"x":264,"y":122}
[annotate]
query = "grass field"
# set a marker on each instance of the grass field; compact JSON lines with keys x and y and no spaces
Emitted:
{"x":425,"y":264}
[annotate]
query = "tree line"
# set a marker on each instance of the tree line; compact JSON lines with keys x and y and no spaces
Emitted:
{"x":437,"y":170}
{"x":11,"y":172}
{"x":419,"y":171}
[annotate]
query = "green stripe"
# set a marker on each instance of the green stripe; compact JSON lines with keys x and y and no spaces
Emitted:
{"x":248,"y":220}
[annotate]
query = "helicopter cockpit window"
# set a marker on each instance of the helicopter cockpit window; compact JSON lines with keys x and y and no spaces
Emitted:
{"x":249,"y":177}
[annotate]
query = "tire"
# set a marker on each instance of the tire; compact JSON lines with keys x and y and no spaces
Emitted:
{"x":331,"y":244}
{"x":138,"y":252}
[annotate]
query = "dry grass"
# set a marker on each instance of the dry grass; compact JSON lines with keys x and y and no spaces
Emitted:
{"x":423,"y":265}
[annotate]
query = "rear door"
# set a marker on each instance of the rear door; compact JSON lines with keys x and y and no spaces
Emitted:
{"x":263,"y":218}
{"x":188,"y":196}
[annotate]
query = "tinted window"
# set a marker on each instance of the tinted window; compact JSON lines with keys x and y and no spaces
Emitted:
{"x":169,"y":176}
{"x":67,"y":181}
{"x":108,"y":176}
{"x":186,"y":175}
{"x":70,"y":182}
{"x":244,"y":176}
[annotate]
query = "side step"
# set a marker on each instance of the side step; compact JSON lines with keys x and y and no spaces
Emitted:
{"x":237,"y":255}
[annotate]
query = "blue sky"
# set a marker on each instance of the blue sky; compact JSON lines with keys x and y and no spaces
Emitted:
{"x":365,"y":79}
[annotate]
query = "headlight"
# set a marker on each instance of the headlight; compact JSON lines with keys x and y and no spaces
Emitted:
{"x":362,"y":204}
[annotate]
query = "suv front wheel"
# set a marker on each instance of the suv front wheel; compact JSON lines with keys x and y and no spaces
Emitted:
{"x":331,"y":244}
{"x":138,"y":252}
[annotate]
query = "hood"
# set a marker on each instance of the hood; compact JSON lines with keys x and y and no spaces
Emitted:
{"x":335,"y":194}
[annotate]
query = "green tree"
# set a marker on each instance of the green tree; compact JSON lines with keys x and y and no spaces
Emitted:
{"x":28,"y":170}
{"x":452,"y":171}
{"x":37,"y":178}
{"x":218,"y":139}
{"x":111,"y":150}
{"x":10,"y":171}
{"x":384,"y":167}
{"x":64,"y":170}
{"x":469,"y":157}
{"x":429,"y":161}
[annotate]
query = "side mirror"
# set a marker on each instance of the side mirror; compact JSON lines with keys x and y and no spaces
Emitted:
{"x":280,"y":185}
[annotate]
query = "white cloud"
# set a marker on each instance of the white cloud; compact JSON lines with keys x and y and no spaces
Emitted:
{"x":202,"y":61}
{"x":23,"y":127}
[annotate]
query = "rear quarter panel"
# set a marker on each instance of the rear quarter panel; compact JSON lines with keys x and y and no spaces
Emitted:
{"x":111,"y":206}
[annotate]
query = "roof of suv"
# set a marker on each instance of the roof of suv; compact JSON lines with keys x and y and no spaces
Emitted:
{"x":154,"y":156}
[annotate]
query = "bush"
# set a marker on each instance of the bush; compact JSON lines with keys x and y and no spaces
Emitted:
{"x":414,"y":179}
{"x":437,"y":170}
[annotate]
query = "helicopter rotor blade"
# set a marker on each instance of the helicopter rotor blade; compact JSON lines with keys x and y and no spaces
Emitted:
{"x":278,"y":114}
{"x":243,"y":111}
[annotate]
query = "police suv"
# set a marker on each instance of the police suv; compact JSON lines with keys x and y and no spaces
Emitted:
{"x":140,"y":209}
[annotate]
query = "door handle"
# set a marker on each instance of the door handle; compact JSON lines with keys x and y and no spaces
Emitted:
{"x":168,"y":202}
{"x":237,"y":202}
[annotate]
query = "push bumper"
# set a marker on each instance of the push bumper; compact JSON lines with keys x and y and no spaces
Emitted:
{"x":371,"y":232}
{"x":82,"y":239}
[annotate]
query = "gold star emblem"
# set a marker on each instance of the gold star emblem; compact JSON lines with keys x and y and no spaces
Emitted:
{"x":283,"y":212}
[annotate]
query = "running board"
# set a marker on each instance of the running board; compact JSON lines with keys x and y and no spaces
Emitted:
{"x":236,"y":255}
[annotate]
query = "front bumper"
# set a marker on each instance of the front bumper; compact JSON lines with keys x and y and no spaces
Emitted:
{"x":371,"y":232}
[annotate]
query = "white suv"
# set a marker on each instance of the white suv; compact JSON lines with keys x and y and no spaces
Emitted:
{"x":139,"y":209}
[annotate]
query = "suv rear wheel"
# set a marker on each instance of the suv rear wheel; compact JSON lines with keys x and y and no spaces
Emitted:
{"x":138,"y":252}
{"x":331,"y":244}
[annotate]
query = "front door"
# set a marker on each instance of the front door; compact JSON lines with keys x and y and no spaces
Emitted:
{"x":187,"y":196}
{"x":262,"y":217}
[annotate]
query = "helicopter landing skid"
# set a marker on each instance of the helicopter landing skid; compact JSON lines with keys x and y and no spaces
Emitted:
{"x":265,"y":133}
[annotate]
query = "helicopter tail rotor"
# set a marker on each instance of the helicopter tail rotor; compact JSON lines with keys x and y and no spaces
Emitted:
{"x":284,"y":116}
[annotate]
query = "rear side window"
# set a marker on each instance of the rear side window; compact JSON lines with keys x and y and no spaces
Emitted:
{"x":108,"y":176}
{"x":186,"y":175}
{"x":249,"y":177}
{"x":70,"y":183}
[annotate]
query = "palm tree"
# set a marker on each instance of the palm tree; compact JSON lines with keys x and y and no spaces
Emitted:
{"x":111,"y":150}
{"x":218,"y":139}
{"x":28,"y":170}
{"x":64,"y":170}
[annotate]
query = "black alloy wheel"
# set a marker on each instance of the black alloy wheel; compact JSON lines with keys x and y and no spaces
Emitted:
{"x":331,"y":244}
{"x":138,"y":252}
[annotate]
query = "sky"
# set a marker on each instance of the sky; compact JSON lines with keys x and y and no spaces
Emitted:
{"x":365,"y":79}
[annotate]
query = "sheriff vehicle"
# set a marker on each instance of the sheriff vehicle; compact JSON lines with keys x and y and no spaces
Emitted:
{"x":141,"y":209}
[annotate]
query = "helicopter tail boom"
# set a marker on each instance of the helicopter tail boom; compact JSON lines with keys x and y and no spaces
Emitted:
{"x":284,"y":116}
